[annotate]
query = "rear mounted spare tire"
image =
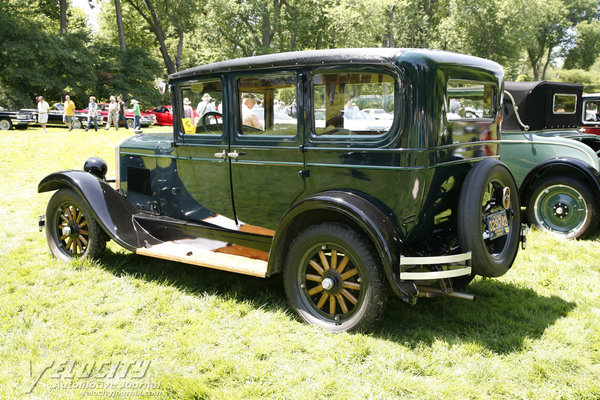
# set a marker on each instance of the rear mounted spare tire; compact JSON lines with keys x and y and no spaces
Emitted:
{"x":482,"y":196}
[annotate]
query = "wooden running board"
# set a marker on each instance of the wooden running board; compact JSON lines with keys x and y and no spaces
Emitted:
{"x":189,"y":254}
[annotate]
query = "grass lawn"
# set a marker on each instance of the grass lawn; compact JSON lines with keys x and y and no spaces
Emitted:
{"x":127,"y":326}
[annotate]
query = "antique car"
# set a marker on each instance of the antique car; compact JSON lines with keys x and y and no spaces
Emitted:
{"x":15,"y":119}
{"x":343,"y":212}
{"x":590,"y":114}
{"x":146,"y":120}
{"x":555,"y":166}
{"x":55,"y":116}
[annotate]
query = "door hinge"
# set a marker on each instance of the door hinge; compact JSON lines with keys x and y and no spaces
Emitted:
{"x":303,"y":174}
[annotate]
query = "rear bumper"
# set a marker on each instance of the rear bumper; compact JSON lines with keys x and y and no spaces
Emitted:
{"x":450,"y":266}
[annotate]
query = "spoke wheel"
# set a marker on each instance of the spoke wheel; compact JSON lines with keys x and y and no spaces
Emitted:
{"x":332,"y":279}
{"x":5,"y":124}
{"x":71,"y":231}
{"x":482,"y":196}
{"x":564,"y":207}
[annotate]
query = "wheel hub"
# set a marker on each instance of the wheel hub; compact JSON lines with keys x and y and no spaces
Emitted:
{"x":332,"y":282}
{"x":561,"y":210}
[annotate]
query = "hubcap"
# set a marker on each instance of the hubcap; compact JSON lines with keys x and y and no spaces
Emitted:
{"x":560,"y":209}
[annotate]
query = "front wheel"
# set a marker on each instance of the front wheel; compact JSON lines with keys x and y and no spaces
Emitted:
{"x":564,"y":207}
{"x":5,"y":124}
{"x":71,"y":230}
{"x":333,"y":280}
{"x":129,"y":123}
{"x":489,"y":218}
{"x":76,"y":124}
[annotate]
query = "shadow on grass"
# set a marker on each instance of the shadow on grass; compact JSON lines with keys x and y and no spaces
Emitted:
{"x":501,"y":319}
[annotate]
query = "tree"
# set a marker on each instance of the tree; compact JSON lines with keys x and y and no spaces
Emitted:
{"x":587,"y":46}
{"x":63,"y":15}
{"x":121,"y":32}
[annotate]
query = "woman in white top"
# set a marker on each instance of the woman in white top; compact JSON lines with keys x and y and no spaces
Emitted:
{"x":113,"y":111}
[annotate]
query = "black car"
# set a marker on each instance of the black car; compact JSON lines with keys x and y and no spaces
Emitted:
{"x":56,"y":118}
{"x":15,"y":119}
{"x":342,"y":205}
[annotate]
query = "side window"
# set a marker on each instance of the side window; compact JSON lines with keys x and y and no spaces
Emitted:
{"x":591,"y":110}
{"x":564,"y":103}
{"x":201,"y":102}
{"x":469,"y":100}
{"x":268,"y":105}
{"x":352,"y":103}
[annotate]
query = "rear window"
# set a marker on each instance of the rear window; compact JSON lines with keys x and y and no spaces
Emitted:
{"x":352,"y":103}
{"x":564,"y":103}
{"x":469,"y":100}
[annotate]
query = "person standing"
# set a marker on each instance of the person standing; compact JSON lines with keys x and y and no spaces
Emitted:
{"x":121,"y":109}
{"x":43,"y":109}
{"x":137,"y":114}
{"x":69,"y":112}
{"x":249,"y":117}
{"x":113,"y":111}
{"x":92,"y":114}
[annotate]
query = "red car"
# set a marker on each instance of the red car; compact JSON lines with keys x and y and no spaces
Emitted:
{"x":163,"y":115}
{"x":146,"y":120}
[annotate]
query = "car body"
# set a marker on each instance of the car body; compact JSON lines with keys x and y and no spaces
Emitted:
{"x":590,"y":114}
{"x":378,"y":113}
{"x":338,"y":209}
{"x":15,"y":119}
{"x":55,"y":116}
{"x":163,"y":115}
{"x":555,"y":166}
{"x":146,"y":119}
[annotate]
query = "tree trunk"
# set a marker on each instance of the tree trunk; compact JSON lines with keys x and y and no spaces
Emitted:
{"x":63,"y":16}
{"x":120,"y":25}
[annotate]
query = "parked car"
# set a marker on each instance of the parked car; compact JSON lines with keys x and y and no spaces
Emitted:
{"x":55,"y":116}
{"x":590,"y":114}
{"x":555,"y":166}
{"x":163,"y":115}
{"x":15,"y":119}
{"x":378,"y":113}
{"x":146,"y":119}
{"x":342,"y":213}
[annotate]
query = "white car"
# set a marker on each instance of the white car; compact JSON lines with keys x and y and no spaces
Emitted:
{"x":378,"y":113}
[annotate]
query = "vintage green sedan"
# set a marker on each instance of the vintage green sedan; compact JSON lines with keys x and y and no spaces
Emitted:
{"x":555,"y":166}
{"x":273,"y":167}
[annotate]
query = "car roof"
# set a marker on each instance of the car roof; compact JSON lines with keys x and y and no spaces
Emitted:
{"x":374,"y":56}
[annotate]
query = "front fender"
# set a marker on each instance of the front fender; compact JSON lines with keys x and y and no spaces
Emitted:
{"x":345,"y":207}
{"x":570,"y":166}
{"x":110,"y":209}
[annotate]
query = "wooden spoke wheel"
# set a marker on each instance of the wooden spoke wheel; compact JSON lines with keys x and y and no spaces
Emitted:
{"x":71,"y":230}
{"x":333,"y":280}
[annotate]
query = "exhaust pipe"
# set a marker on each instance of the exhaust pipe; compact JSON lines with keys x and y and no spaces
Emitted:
{"x":427,"y":291}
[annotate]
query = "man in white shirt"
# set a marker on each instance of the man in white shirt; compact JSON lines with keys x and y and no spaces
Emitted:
{"x":43,"y":109}
{"x":249,"y":117}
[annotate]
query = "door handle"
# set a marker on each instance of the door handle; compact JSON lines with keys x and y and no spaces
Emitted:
{"x":235,"y":154}
{"x":222,"y":155}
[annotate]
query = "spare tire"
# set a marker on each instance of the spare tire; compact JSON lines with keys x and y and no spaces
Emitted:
{"x":482,"y":204}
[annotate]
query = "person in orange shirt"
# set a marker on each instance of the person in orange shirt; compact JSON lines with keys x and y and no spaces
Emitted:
{"x":69,"y":112}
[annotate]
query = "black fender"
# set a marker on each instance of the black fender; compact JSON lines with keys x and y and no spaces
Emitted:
{"x":349,"y":208}
{"x":109,"y":208}
{"x":590,"y":176}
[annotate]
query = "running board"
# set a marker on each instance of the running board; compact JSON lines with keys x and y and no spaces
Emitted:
{"x":189,"y":254}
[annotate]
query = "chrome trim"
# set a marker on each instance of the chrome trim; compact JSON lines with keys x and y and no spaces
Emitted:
{"x":435,"y":260}
{"x":429,"y":275}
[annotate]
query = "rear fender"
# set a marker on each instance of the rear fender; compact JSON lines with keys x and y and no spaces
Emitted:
{"x":351,"y":209}
{"x":570,"y":166}
{"x":109,"y":208}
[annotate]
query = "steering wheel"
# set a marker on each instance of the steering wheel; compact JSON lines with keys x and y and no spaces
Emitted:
{"x":211,"y":121}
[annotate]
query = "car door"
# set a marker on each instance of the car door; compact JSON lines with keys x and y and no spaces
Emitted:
{"x":266,"y":155}
{"x":197,"y":179}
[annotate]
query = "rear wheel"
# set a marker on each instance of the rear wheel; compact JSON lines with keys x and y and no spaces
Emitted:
{"x":5,"y":124}
{"x":333,"y":280}
{"x":76,"y":124}
{"x":488,"y":196}
{"x":71,"y":230}
{"x":129,"y":123}
{"x":564,"y":207}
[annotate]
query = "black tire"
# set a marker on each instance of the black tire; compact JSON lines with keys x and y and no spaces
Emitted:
{"x":76,"y":124}
{"x":356,"y":286}
{"x":481,"y":196}
{"x":85,"y":237}
{"x":564,"y":207}
{"x":5,"y":124}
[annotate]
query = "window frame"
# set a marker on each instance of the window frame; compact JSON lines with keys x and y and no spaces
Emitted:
{"x":566,"y":112}
{"x":474,"y":82}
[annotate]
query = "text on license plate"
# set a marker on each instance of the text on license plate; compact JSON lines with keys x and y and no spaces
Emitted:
{"x":498,"y":224}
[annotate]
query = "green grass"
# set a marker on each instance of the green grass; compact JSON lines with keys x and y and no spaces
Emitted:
{"x":531,"y":334}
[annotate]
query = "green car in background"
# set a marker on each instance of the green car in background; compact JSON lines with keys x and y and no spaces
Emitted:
{"x":555,"y":166}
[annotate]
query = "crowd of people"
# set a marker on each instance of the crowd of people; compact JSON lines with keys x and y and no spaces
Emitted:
{"x":116,"y":113}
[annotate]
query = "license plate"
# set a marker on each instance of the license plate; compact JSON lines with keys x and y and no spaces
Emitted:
{"x":498,"y":224}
